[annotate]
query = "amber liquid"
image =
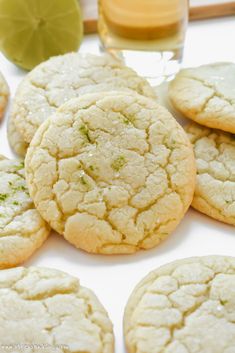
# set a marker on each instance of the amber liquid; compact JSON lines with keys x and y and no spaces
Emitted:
{"x":143,"y":26}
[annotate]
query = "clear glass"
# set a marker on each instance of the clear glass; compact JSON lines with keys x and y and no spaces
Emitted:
{"x":147,"y":34}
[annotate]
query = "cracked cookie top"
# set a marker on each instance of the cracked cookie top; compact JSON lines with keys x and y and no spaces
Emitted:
{"x":113,"y":172}
{"x":206,"y":94}
{"x":186,"y":306}
{"x":54,"y":311}
{"x":63,"y":77}
{"x":22,"y":229}
{"x":215,"y":184}
{"x":4,"y":94}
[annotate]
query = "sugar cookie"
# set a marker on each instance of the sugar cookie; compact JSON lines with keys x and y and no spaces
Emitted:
{"x":113,"y":172}
{"x":4,"y":94}
{"x":46,"y":310}
{"x":215,"y":185}
{"x":22,"y":230}
{"x":61,"y":78}
{"x":186,"y":306}
{"x":15,"y":139}
{"x":206,"y":94}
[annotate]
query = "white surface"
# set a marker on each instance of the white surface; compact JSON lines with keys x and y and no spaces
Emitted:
{"x":113,"y":278}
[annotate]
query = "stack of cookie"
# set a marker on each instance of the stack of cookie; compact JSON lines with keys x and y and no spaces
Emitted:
{"x":106,"y":166}
{"x":206,"y":94}
{"x":60,"y":79}
{"x":113,"y":172}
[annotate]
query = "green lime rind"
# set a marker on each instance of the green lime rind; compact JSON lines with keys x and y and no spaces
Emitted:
{"x":31,"y":31}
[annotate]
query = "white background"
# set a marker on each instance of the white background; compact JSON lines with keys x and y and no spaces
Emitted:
{"x":113,"y":278}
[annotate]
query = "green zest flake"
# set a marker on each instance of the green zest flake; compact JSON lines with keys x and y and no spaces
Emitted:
{"x":91,"y":168}
{"x":16,"y":203}
{"x":84,"y":131}
{"x":85,"y":182}
{"x":21,"y":188}
{"x":19,"y":166}
{"x":223,"y":302}
{"x":3,"y":197}
{"x":17,"y":188}
{"x":126,"y":121}
{"x":118,"y":163}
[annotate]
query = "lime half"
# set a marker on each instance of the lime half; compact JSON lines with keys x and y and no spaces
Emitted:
{"x":31,"y":31}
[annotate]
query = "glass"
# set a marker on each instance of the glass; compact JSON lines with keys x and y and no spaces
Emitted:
{"x":147,"y":34}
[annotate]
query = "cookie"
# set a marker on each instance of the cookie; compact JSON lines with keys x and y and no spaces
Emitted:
{"x":61,"y":78}
{"x":15,"y":139}
{"x":215,"y":186}
{"x":113,"y":172}
{"x":4,"y":94}
{"x":22,"y":230}
{"x":186,"y":306}
{"x":46,"y":310}
{"x":206,"y":94}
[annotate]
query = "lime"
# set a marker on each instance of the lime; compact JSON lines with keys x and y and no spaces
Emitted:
{"x":31,"y":31}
